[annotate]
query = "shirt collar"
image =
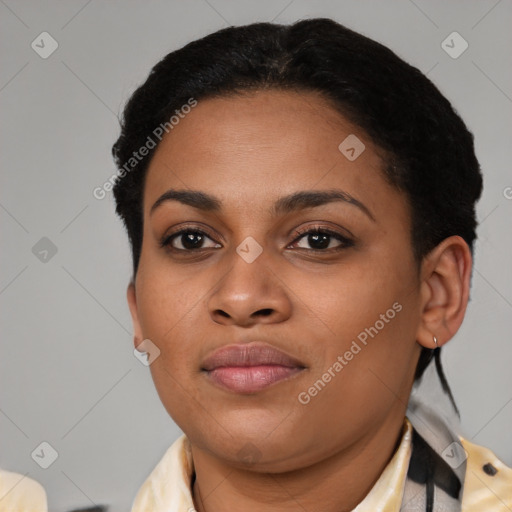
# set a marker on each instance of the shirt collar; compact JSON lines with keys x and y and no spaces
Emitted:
{"x":168,"y":487}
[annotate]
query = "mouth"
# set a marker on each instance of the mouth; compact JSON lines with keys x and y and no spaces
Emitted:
{"x":250,"y":367}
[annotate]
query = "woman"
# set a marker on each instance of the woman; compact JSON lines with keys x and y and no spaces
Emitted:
{"x":300,"y":205}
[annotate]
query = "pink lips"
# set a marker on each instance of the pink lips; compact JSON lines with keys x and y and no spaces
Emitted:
{"x":250,"y":367}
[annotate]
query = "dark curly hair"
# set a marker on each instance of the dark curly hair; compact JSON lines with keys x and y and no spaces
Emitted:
{"x":429,"y":150}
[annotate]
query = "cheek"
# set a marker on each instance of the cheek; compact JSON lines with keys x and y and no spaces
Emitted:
{"x":372,"y":315}
{"x":379,"y":355}
{"x":168,"y":308}
{"x":164,"y":299}
{"x":353,"y":297}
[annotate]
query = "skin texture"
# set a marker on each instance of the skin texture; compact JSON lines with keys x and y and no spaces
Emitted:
{"x":249,"y":150}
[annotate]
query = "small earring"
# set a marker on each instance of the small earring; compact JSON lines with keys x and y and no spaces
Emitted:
{"x":435,"y":341}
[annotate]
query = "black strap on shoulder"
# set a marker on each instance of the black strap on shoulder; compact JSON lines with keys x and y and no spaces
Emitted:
{"x":429,"y":468}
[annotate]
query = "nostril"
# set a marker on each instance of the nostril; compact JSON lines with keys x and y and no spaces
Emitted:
{"x":265,"y":312}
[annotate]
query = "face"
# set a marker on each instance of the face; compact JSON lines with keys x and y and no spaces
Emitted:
{"x":284,"y":299}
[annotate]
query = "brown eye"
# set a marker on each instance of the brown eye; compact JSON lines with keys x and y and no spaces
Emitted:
{"x":322,"y":240}
{"x":188,"y":240}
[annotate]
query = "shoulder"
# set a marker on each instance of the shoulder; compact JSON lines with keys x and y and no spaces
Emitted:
{"x":21,"y":493}
{"x":488,"y":482}
{"x":167,"y":488}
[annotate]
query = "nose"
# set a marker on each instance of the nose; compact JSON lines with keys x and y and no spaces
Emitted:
{"x":250,"y":293}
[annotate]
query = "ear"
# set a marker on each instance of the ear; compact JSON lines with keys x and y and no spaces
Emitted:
{"x":132,"y":304}
{"x":444,"y":291}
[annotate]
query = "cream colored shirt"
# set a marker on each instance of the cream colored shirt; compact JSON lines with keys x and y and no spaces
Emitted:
{"x":19,"y":493}
{"x":168,"y":487}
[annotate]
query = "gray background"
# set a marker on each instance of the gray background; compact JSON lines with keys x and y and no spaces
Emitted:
{"x":68,"y":374}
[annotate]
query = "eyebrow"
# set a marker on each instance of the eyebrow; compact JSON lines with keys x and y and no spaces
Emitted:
{"x":287,"y":204}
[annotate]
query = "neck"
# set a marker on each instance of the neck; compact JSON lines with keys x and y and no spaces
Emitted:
{"x":336,"y":484}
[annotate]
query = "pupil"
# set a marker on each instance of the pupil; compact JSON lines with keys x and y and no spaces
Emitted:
{"x":191,"y":240}
{"x":319,"y":241}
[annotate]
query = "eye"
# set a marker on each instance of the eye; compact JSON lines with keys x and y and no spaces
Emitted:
{"x":322,"y":240}
{"x":188,"y":240}
{"x":313,"y":239}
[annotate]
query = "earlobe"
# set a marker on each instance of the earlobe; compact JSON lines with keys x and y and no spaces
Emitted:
{"x":132,"y":304}
{"x":446,"y":274}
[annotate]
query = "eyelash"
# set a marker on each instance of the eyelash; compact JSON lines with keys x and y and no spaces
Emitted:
{"x":316,"y":230}
{"x":344,"y":241}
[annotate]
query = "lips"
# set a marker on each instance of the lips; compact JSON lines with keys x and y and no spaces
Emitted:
{"x":249,"y":367}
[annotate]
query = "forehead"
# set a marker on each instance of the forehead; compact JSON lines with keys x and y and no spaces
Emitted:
{"x":251,"y":148}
